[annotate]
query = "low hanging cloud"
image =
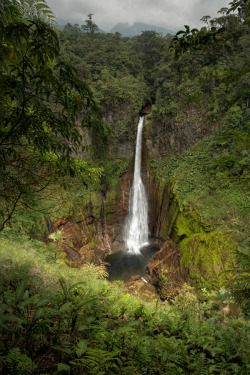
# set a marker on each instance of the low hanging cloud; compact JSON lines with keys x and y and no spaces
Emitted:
{"x":166,"y":13}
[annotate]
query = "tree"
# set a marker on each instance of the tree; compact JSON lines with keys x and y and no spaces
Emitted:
{"x":36,"y":9}
{"x":149,"y":48}
{"x":44,"y":107}
{"x":206,"y":19}
{"x":243,"y":9}
{"x":223,"y":11}
{"x":90,"y":25}
{"x":194,"y":39}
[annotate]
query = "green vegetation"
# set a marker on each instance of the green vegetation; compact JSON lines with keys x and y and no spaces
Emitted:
{"x":41,"y":101}
{"x":208,"y":82}
{"x":53,"y":161}
{"x":200,"y":132}
{"x":213,"y":178}
{"x":120,"y":73}
{"x":56,"y":320}
{"x":210,"y":212}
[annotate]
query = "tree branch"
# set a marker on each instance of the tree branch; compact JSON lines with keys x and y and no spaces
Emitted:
{"x":11,"y":212}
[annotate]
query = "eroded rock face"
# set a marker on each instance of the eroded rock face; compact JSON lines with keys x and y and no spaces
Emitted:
{"x":165,"y":272}
{"x":115,"y":211}
{"x":97,"y":231}
{"x":73,"y":258}
{"x":172,"y":135}
{"x":125,"y":117}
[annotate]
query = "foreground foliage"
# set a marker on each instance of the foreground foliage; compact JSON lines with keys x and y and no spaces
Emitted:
{"x":80,"y":324}
{"x":44,"y":109}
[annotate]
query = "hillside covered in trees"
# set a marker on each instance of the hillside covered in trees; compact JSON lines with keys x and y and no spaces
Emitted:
{"x":69,"y":104}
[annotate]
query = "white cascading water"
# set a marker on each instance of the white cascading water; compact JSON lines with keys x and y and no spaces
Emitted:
{"x":136,"y":228}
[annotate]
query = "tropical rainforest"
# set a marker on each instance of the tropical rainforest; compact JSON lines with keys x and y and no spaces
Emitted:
{"x":69,"y":106}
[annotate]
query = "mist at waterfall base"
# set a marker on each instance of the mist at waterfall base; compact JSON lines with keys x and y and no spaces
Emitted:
{"x":123,"y":265}
{"x":137,"y":253}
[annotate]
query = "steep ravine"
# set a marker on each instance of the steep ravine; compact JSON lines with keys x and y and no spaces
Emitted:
{"x":192,"y":251}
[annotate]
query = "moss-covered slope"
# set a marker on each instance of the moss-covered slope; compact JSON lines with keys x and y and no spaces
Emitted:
{"x":204,"y":203}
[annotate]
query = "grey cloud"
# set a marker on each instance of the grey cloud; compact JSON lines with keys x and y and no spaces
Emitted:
{"x":166,"y":13}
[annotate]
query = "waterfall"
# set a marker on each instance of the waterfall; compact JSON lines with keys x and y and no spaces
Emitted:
{"x":136,"y":228}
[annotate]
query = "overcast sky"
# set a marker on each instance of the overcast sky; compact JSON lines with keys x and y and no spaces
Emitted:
{"x":171,"y":14}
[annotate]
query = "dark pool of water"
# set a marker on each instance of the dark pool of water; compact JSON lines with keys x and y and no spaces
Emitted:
{"x":123,"y":265}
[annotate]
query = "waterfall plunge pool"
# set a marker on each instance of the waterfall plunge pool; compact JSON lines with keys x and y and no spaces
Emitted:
{"x":123,"y":265}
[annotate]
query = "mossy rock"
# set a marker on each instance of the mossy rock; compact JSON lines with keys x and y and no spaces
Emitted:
{"x":187,"y":223}
{"x":208,"y":256}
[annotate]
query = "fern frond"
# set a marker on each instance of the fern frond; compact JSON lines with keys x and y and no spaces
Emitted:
{"x":201,"y":368}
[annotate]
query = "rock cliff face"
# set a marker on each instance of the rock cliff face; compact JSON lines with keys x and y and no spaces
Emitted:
{"x":161,"y":208}
{"x":123,"y":125}
{"x":115,"y":211}
{"x":175,"y":134}
{"x":97,"y":229}
{"x":205,"y":252}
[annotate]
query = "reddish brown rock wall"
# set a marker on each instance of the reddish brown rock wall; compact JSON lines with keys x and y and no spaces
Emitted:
{"x":165,"y":272}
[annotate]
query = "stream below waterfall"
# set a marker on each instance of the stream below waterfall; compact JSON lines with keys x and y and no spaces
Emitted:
{"x":123,"y":265}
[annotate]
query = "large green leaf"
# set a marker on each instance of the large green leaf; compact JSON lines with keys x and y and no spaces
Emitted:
{"x":81,"y":348}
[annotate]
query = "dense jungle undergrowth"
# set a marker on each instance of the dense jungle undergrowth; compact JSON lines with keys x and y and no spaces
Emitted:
{"x":57,"y":320}
{"x":67,"y":135}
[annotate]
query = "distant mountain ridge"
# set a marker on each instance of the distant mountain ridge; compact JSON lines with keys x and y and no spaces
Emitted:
{"x":136,"y":28}
{"x":125,"y":29}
